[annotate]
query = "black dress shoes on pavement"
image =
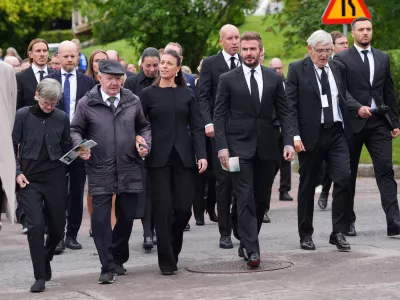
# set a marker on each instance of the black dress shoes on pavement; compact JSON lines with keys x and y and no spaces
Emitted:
{"x":60,"y":247}
{"x":39,"y":286}
{"x":119,"y":270}
{"x":200,"y":221}
{"x":307,"y":243}
{"x":148,"y":244}
{"x":72,"y":244}
{"x":266,"y":219}
{"x":339,"y":240}
{"x":225,"y":242}
{"x":254,"y":260}
{"x":107,"y":278}
{"x":284,"y":196}
{"x":47,"y":270}
{"x":352,"y":230}
{"x":394,"y":229}
{"x":323,"y":200}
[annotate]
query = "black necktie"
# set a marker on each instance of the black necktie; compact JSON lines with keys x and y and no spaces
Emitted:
{"x":326,"y":90}
{"x":233,"y":65}
{"x":366,"y":70}
{"x":112,"y":100}
{"x":255,"y":95}
{"x":41,"y":75}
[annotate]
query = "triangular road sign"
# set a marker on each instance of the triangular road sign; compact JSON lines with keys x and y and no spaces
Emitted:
{"x":344,"y":11}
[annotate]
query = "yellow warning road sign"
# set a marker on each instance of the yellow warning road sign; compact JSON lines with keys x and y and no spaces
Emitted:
{"x":344,"y":11}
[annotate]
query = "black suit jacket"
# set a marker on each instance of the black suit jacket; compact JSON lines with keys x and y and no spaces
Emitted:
{"x":84,"y":85}
{"x":359,"y":86}
{"x":211,"y":70}
{"x":246,"y":127}
{"x":304,"y":100}
{"x":137,"y":83}
{"x":175,"y":122}
{"x":27,"y":83}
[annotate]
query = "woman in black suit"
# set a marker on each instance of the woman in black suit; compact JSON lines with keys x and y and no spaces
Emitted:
{"x":177,"y":140}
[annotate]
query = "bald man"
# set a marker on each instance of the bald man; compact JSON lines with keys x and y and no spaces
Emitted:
{"x":114,"y":55}
{"x":75,"y":85}
{"x":212,"y":67}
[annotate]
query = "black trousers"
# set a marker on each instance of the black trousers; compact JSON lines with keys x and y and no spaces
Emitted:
{"x":377,"y":138}
{"x":145,"y":197}
{"x":252,"y":187}
{"x":326,"y":179}
{"x":172,"y":191}
{"x":205,"y":196}
{"x":223,"y":190}
{"x":285,"y":167}
{"x":44,"y":199}
{"x":113,"y":245}
{"x":333,"y":148}
{"x":77,"y":179}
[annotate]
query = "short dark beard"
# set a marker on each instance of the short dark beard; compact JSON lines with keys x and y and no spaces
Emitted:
{"x":253,"y":65}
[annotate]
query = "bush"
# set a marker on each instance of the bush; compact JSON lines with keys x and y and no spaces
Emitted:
{"x":395,"y":69}
{"x":56,"y":36}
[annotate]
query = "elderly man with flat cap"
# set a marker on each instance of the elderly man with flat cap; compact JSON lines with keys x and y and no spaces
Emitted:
{"x":112,"y":116}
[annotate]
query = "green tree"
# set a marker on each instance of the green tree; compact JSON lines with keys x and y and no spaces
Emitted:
{"x":22,"y":20}
{"x":192,"y":23}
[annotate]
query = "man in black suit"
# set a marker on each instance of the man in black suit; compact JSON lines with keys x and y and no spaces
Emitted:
{"x":211,"y":70}
{"x":315,"y":91}
{"x":244,"y":127}
{"x":369,"y":81}
{"x":75,"y":85}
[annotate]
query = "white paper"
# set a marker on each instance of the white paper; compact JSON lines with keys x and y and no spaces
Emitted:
{"x":234,"y":165}
{"x":324,"y":100}
{"x":70,"y":156}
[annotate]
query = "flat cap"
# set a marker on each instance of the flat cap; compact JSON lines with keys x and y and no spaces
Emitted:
{"x":108,"y":66}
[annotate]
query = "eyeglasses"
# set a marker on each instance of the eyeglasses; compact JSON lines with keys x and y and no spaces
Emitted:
{"x":320,"y":51}
{"x":342,"y":43}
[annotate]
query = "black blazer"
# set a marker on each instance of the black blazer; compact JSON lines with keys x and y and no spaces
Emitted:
{"x":359,"y":86}
{"x":137,"y":83}
{"x":27,"y":83}
{"x":211,"y":70}
{"x":175,"y":122}
{"x":84,"y":85}
{"x":246,"y":127}
{"x":304,"y":100}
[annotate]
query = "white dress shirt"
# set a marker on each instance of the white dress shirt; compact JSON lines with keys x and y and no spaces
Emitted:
{"x":337,"y":117}
{"x":105,"y":98}
{"x":371,"y":66}
{"x":257,"y":76}
{"x":36,"y":71}
{"x":227,"y":58}
{"x":73,"y":85}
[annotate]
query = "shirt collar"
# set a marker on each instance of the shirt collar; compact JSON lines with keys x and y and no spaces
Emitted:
{"x":73,"y":72}
{"x":318,"y":68}
{"x":36,"y":69}
{"x":105,"y":96}
{"x":227,"y":56}
{"x":359,"y":49}
{"x":247,"y":70}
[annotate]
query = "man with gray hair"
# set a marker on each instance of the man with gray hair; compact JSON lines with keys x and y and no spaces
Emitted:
{"x":315,"y":93}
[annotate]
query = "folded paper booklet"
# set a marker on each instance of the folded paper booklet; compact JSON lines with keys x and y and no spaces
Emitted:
{"x":234,"y":165}
{"x":73,"y":153}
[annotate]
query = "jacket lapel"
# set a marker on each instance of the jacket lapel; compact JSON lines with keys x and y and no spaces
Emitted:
{"x":310,"y":74}
{"x":244,"y":87}
{"x":357,"y":58}
{"x":222,"y":62}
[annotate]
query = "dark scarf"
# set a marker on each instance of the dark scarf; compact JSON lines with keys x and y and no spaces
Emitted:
{"x":38,"y":112}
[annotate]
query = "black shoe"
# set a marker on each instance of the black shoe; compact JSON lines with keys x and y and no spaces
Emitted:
{"x":119,"y":270}
{"x":307,"y":243}
{"x":235,"y":229}
{"x":284,"y":196}
{"x":200,"y":220}
{"x":213,"y":216}
{"x":47,"y":271}
{"x":352,"y":231}
{"x":225,"y":242}
{"x":187,"y":227}
{"x":107,"y":278}
{"x":254,"y":260}
{"x":167,"y":272}
{"x":266,"y":219}
{"x":393,"y":229}
{"x":72,"y":244}
{"x":148,"y":243}
{"x":242,"y":253}
{"x":323,"y":200}
{"x":39,"y":286}
{"x":339,"y":240}
{"x":60,"y":247}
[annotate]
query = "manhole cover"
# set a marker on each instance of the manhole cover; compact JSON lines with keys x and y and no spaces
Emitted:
{"x":229,"y":267}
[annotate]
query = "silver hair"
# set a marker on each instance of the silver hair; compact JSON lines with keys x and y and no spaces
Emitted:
{"x":49,"y":89}
{"x":320,"y":37}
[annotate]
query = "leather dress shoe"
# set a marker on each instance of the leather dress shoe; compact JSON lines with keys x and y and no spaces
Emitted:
{"x":39,"y":286}
{"x":266,"y":219}
{"x":187,"y":227}
{"x":242,"y":253}
{"x":307,"y":243}
{"x":72,"y":244}
{"x":352,"y":230}
{"x":394,"y":228}
{"x":339,"y":240}
{"x":225,"y":242}
{"x":323,"y":200}
{"x":254,"y":260}
{"x":60,"y":247}
{"x":120,"y":270}
{"x":148,"y":243}
{"x":200,"y":220}
{"x":47,"y":271}
{"x":167,"y":272}
{"x":284,"y":196}
{"x":213,"y":216}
